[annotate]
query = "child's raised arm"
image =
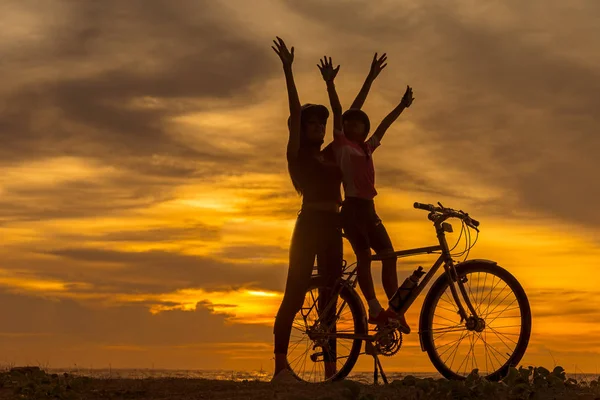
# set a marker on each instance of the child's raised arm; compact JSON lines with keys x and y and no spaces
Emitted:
{"x":329,"y":73}
{"x":406,"y":101}
{"x":377,"y":65}
{"x":287,"y":57}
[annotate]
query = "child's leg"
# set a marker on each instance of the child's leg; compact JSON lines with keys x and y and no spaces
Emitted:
{"x":389,"y":276}
{"x":357,"y":233}
{"x":382,"y":244}
{"x":365,"y":278}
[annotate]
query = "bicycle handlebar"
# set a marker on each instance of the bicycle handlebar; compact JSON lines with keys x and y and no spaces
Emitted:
{"x":449,"y":212}
{"x":426,"y":207}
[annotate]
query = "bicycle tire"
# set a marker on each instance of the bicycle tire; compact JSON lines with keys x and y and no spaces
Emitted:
{"x":432,"y":300}
{"x":350,"y":297}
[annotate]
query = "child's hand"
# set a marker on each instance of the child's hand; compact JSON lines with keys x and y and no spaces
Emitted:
{"x":286,"y":56}
{"x":377,"y":65}
{"x":327,"y":69}
{"x":408,"y":98}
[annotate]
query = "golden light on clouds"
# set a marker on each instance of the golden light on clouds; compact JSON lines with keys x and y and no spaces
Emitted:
{"x":34,"y":285}
{"x":240,"y":306}
{"x":145,"y":206}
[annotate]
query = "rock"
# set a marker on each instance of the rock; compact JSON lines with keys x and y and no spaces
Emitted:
{"x":26,"y":370}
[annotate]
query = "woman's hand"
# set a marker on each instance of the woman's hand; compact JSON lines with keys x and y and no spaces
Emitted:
{"x":286,"y":56}
{"x":327,"y":69}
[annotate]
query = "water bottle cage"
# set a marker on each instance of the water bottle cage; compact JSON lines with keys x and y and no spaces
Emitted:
{"x":398,"y":298}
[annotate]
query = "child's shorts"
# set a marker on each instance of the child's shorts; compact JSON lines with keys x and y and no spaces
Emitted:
{"x":363,"y":227}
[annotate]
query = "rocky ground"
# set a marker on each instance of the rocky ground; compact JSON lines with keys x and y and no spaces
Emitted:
{"x":530,"y":383}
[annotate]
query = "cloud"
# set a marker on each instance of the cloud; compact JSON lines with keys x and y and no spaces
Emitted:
{"x":197,"y":231}
{"x":163,"y":272}
{"x":89,"y":334}
{"x":121,"y":111}
{"x":143,"y":151}
{"x":502,"y":103}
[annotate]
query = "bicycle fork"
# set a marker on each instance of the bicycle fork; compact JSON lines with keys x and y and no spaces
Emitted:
{"x":453,"y":275}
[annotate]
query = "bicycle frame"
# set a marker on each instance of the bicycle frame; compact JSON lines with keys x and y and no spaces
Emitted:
{"x":444,"y":259}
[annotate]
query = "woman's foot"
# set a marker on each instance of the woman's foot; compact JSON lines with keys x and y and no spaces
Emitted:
{"x":284,"y":376}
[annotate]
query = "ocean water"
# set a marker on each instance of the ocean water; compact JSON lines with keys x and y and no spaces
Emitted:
{"x":238,"y":376}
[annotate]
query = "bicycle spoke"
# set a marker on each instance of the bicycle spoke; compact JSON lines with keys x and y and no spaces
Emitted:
{"x":510,"y":309}
{"x":472,"y":296}
{"x":482,"y":288}
{"x":491,"y":301}
{"x":489,"y":295}
{"x":504,"y":298}
{"x":506,"y":337}
{"x":502,"y":310}
{"x":448,"y":344}
{"x":299,"y":356}
{"x":447,"y":319}
{"x":290,"y":350}
{"x":494,"y":354}
{"x":443,"y":308}
{"x":312,"y":370}
{"x":457,"y":346}
{"x":450,"y":301}
{"x":471,"y":350}
{"x":459,"y":328}
{"x":477,"y":291}
{"x":325,"y":313}
{"x":461,"y":350}
{"x":485,"y":352}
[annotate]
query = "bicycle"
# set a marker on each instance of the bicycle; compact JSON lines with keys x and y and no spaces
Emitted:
{"x":461,"y":304}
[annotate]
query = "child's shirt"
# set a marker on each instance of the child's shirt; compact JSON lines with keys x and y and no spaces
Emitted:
{"x":356,"y":162}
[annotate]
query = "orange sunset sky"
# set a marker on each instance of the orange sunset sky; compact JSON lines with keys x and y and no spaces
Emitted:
{"x":145,"y":206}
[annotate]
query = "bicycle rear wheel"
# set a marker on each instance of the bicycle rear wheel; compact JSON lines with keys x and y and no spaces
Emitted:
{"x":312,"y":340}
{"x":499,"y":339}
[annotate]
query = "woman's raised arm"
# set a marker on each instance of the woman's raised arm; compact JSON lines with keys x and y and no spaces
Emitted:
{"x":287,"y":57}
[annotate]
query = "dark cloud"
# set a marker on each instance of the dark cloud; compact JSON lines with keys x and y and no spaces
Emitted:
{"x":577,"y":305}
{"x":409,"y":180}
{"x":37,"y":326}
{"x":505,"y":109}
{"x":93,"y":115}
{"x":197,"y":231}
{"x":82,"y":199}
{"x":245,"y":252}
{"x":163,"y":272}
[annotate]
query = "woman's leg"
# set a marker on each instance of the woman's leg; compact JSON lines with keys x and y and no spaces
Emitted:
{"x":329,"y":263}
{"x":302,"y":256}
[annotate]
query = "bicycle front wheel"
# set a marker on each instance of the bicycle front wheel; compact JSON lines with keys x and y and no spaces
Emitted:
{"x":313,"y":341}
{"x":491,"y":344}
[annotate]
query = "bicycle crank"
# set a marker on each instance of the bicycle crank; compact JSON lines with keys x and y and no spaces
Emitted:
{"x":389,"y":343}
